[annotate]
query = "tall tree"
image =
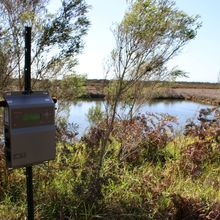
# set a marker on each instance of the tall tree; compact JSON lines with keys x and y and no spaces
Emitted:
{"x":56,"y":38}
{"x":151,"y":33}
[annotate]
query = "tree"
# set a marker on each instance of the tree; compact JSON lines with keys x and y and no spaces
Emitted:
{"x":56,"y":38}
{"x":72,"y":87}
{"x":151,"y":33}
{"x":4,"y":63}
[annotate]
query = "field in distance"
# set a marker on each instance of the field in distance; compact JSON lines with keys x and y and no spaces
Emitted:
{"x":196,"y":91}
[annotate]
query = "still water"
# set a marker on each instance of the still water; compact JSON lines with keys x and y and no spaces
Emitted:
{"x":183,"y":110}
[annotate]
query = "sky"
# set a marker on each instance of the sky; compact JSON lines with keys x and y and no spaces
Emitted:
{"x":200,"y":58}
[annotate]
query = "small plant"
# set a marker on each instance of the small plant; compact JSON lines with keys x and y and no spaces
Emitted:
{"x":95,"y":114}
{"x":188,"y":208}
{"x":205,"y":146}
{"x":144,"y":137}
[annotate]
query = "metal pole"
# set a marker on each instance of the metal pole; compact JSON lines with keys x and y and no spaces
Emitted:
{"x":27,"y":62}
{"x":27,"y":90}
{"x":30,"y":202}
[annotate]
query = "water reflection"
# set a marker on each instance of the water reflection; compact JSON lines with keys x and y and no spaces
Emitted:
{"x":183,"y":110}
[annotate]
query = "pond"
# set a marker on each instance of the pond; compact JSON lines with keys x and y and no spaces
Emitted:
{"x":183,"y":110}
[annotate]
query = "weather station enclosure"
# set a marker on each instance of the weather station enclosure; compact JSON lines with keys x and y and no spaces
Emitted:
{"x":29,"y":127}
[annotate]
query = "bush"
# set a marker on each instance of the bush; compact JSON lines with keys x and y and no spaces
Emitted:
{"x":144,"y":137}
{"x":95,"y":114}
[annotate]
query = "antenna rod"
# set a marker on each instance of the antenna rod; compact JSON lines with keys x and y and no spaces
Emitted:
{"x":27,"y":61}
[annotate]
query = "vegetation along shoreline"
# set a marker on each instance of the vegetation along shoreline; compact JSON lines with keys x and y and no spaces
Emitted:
{"x":207,"y":93}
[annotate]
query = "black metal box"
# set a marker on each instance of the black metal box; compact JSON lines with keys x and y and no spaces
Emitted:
{"x":29,"y":128}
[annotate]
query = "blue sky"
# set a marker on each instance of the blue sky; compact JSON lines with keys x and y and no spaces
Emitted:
{"x":99,"y":42}
{"x":200,"y":58}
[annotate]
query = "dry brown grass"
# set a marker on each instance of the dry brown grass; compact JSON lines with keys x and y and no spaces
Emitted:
{"x":201,"y":92}
{"x":211,"y":96}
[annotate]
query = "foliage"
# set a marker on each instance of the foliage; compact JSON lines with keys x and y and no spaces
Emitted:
{"x":56,"y":38}
{"x":150,"y":34}
{"x":205,"y":147}
{"x":95,"y":114}
{"x":123,"y":169}
{"x":4,"y":62}
{"x":72,"y":87}
{"x":65,"y":132}
{"x":135,"y":183}
{"x":150,"y":135}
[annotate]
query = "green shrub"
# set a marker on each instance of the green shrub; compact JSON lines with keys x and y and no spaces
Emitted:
{"x":95,"y":114}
